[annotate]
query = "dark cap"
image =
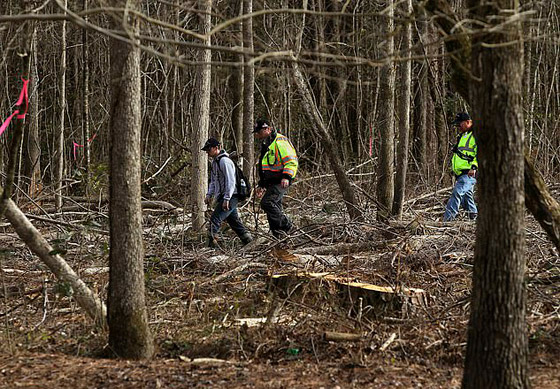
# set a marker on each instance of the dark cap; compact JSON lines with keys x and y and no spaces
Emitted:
{"x":461,"y":117}
{"x":212,"y":142}
{"x":260,"y":124}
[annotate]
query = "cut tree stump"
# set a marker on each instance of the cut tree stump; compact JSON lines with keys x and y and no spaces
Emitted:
{"x":365,"y":299}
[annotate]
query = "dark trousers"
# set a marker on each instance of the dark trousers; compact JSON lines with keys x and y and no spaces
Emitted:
{"x":231,"y":217}
{"x":271,"y":204}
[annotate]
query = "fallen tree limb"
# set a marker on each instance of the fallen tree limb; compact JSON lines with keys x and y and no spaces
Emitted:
{"x":93,"y":306}
{"x":540,"y":202}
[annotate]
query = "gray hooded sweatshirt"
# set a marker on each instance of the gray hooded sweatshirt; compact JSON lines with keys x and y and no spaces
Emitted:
{"x":222,"y":177}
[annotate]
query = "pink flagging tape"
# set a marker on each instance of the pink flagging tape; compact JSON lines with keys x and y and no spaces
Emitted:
{"x":7,"y":122}
{"x":76,"y":145}
{"x":23,"y":97}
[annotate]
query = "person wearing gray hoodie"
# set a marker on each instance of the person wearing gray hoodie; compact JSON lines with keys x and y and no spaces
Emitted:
{"x":223,"y":190}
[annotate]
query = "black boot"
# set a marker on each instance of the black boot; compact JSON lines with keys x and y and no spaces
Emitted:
{"x":246,"y":238}
{"x":212,"y":242}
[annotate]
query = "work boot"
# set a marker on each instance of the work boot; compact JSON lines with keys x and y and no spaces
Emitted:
{"x":212,"y":243}
{"x":246,"y":238}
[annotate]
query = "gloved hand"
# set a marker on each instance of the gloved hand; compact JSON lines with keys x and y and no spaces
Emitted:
{"x":225,"y":205}
{"x":208,"y":200}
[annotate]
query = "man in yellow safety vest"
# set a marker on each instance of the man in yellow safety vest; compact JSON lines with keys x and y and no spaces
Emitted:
{"x":464,"y":166}
{"x":277,"y":167}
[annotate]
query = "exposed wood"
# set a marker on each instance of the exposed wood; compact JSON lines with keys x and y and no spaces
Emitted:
{"x":341,"y":336}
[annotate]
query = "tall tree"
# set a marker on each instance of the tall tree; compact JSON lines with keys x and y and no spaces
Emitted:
{"x":129,"y":334}
{"x":237,"y":86}
{"x":85,"y":86}
{"x":248,"y":91}
{"x":497,"y":345}
{"x":32,"y":140}
{"x":199,"y":181}
{"x":403,"y":114}
{"x":487,"y":71}
{"x":385,"y":167}
{"x":59,"y":139}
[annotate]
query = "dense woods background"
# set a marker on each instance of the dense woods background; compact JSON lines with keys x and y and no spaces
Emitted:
{"x":365,"y":90}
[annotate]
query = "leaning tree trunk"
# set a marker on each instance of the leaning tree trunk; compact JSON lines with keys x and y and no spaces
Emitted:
{"x":129,"y":334}
{"x":497,"y":344}
{"x":541,"y":203}
{"x":199,"y":180}
{"x":84,"y":296}
{"x":385,"y":167}
{"x":328,"y":144}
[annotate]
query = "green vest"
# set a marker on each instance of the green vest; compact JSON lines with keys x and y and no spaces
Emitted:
{"x":464,"y":154}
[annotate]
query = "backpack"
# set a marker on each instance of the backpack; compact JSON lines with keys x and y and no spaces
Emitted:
{"x":242,"y":184}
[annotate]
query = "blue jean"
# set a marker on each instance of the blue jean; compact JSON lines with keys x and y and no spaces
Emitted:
{"x":231,"y":217}
{"x":462,"y":196}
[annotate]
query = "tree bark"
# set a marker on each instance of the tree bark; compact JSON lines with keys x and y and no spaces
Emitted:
{"x":129,"y":334}
{"x":199,"y":170}
{"x":497,"y":345}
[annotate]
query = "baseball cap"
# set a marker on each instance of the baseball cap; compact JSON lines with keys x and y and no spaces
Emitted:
{"x":461,"y":117}
{"x":261,"y":123}
{"x":212,"y":142}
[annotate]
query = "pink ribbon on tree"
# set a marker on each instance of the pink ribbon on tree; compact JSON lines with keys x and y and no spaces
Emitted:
{"x":76,"y":145}
{"x":23,"y":96}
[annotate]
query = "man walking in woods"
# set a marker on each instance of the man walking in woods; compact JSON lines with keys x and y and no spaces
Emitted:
{"x":223,"y":190}
{"x":464,"y":166}
{"x":277,"y":168}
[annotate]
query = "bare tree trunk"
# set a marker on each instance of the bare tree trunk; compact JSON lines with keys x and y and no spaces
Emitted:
{"x":497,"y":345}
{"x":488,"y":74}
{"x":248,"y":93}
{"x":33,"y":143}
{"x":403,"y":116}
{"x":237,"y":87}
{"x":59,"y":142}
{"x":85,"y":113}
{"x":199,"y":181}
{"x":385,"y":168}
{"x":129,"y":334}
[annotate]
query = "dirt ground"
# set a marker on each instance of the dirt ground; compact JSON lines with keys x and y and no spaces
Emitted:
{"x":261,"y":316}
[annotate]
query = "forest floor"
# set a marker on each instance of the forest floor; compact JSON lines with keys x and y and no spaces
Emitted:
{"x":274,"y":314}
